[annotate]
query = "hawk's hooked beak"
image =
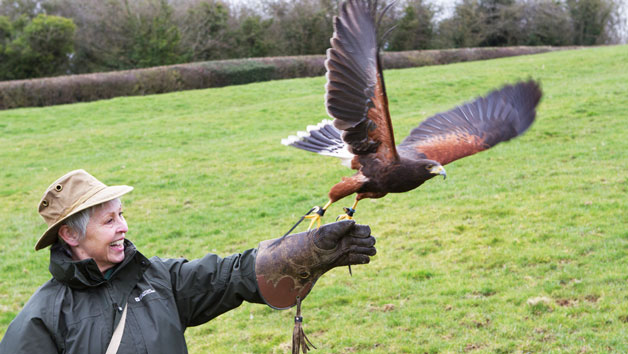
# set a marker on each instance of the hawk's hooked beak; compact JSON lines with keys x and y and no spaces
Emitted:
{"x":439,"y":170}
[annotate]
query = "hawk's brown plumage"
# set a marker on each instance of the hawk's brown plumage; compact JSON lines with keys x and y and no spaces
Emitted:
{"x":362,"y":130}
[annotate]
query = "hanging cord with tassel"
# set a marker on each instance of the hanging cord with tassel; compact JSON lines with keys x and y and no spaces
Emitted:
{"x":300,"y":342}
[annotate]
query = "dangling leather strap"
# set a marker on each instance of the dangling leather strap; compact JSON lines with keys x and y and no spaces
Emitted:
{"x":300,"y":342}
{"x":117,"y":334}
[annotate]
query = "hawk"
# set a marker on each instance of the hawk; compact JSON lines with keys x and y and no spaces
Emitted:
{"x":361,"y":133}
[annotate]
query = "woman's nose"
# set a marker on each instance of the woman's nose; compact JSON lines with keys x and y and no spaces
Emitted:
{"x":123,"y":227}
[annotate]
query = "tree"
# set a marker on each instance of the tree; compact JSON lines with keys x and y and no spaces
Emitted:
{"x":593,"y":20}
{"x":205,"y":32}
{"x":510,"y":22}
{"x":465,"y":28}
{"x":122,"y":34}
{"x":6,"y":31}
{"x":499,"y":22}
{"x":252,"y":39}
{"x":40,"y":48}
{"x":126,"y":34}
{"x":545,"y":22}
{"x":415,"y":29}
{"x":17,"y":8}
{"x":154,"y":36}
{"x":300,"y":27}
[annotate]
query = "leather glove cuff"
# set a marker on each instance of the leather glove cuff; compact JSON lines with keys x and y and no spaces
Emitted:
{"x":289,"y":267}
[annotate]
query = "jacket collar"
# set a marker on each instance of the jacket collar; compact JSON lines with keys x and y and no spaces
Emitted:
{"x":85,"y":273}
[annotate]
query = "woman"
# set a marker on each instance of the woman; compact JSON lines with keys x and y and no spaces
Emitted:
{"x":105,"y":296}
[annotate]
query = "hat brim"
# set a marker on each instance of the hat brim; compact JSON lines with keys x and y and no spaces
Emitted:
{"x":108,"y":193}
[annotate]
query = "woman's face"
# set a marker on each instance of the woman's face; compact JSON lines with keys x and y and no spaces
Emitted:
{"x":104,"y":236}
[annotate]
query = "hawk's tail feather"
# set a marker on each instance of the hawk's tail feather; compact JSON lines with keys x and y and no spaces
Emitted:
{"x":324,"y":139}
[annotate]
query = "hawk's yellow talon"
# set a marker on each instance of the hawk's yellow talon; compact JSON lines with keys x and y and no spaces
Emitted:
{"x":348,"y":215}
{"x":316,"y":219}
{"x":344,"y":217}
{"x":317,"y":214}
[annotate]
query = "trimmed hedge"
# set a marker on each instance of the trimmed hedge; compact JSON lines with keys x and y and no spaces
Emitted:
{"x":91,"y":87}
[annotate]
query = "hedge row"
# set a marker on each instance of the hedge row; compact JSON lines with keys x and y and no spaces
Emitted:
{"x":91,"y":87}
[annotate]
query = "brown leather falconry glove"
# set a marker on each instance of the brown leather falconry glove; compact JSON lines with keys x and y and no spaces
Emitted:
{"x":288,"y":267}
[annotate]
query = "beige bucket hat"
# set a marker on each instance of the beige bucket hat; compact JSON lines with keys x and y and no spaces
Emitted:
{"x":75,"y":191}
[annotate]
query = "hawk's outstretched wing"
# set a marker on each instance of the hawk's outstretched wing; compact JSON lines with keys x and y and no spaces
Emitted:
{"x":470,"y":128}
{"x":356,"y":96}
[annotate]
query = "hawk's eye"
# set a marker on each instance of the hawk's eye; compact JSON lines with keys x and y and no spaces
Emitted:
{"x":429,"y":167}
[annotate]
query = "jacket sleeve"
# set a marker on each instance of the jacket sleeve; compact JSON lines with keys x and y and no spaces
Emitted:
{"x":210,"y":286}
{"x":27,"y":334}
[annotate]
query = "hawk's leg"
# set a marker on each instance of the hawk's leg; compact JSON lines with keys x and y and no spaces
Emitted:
{"x":318,"y":214}
{"x":348,"y":215}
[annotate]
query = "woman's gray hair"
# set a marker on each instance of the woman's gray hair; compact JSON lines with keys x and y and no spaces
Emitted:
{"x":78,"y":222}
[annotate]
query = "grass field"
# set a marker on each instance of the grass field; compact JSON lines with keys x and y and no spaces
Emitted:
{"x":523,"y":249}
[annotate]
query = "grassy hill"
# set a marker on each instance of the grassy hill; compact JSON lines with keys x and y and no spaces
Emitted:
{"x":524,"y":248}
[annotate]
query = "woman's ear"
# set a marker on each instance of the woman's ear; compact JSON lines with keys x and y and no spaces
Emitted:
{"x":68,"y":235}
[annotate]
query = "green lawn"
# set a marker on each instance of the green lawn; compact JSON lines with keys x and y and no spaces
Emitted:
{"x":524,"y":248}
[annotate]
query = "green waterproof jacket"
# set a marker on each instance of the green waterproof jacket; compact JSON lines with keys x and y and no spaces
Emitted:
{"x":77,"y":310}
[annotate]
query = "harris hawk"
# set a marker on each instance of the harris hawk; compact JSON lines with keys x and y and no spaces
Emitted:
{"x":361,"y":133}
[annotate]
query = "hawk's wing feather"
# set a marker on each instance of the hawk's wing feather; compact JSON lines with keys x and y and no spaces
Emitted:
{"x":470,"y":128}
{"x":356,"y":96}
